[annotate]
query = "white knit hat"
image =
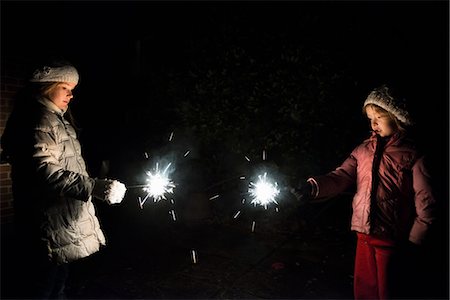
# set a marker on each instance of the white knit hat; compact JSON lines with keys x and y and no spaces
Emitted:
{"x":65,"y":73}
{"x":382,"y":97}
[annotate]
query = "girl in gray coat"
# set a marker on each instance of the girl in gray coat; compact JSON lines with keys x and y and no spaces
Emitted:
{"x":52,"y":191}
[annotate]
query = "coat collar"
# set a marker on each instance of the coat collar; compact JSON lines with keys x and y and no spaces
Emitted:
{"x":51,"y":106}
{"x":392,"y":140}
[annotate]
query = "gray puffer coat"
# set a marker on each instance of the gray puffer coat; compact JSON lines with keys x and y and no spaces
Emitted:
{"x":51,"y":187}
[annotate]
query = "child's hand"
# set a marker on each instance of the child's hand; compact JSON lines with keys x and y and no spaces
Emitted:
{"x":303,"y":192}
{"x":111,"y":191}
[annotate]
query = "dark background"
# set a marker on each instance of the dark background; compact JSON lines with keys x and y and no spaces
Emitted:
{"x":233,"y":78}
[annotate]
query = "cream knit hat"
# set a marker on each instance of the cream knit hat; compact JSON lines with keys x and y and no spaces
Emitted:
{"x":65,"y":73}
{"x":382,"y":97}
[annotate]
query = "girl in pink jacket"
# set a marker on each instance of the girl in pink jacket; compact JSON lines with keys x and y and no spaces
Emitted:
{"x":393,"y":204}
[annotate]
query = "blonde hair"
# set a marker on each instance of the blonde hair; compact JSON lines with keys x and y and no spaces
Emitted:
{"x":47,"y":87}
{"x":396,"y":122}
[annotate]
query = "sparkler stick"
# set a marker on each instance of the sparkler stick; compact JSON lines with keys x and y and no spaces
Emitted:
{"x":136,"y":186}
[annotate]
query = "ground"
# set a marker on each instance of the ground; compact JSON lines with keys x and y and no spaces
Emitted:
{"x":299,"y":252}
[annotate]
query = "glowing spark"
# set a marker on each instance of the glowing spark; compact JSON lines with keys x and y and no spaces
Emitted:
{"x":236,"y":214}
{"x":158,"y":184}
{"x":146,"y":155}
{"x":264,"y":155}
{"x":276,"y":209}
{"x":248,"y":159}
{"x":172,"y":212}
{"x":171,"y":201}
{"x":171,"y":136}
{"x":243,"y":201}
{"x":186,"y":154}
{"x":194,"y":256}
{"x":214,"y":197}
{"x":141,"y":203}
{"x":253,"y":226}
{"x":242,"y":178}
{"x":263,"y":192}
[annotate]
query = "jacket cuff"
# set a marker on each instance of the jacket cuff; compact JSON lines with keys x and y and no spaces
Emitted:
{"x":315,"y":187}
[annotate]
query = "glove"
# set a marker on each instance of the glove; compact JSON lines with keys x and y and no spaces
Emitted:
{"x":303,"y":192}
{"x":111,"y":191}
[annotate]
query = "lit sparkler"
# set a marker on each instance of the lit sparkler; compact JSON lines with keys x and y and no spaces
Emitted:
{"x":264,"y":191}
{"x":158,"y":184}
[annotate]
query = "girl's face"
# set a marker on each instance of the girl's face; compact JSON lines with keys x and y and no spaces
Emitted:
{"x":380,"y":122}
{"x":62,"y":94}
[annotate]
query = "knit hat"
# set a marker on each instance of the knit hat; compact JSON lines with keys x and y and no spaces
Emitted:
{"x":383,"y":98}
{"x":63,"y":73}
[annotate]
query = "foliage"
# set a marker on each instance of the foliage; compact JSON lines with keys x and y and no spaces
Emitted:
{"x":247,"y":96}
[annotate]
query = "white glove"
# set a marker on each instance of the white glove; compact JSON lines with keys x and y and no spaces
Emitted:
{"x":111,"y":191}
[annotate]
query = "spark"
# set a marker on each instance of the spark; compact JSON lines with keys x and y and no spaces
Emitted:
{"x":242,"y":178}
{"x":141,"y":203}
{"x":172,"y":212}
{"x":146,"y":155}
{"x":172,"y":201}
{"x":214,"y":197}
{"x":159,"y":184}
{"x":253,"y":226}
{"x":171,"y":136}
{"x":276,"y":209}
{"x":194,"y":256}
{"x":248,"y":159}
{"x":236,"y":214}
{"x":186,"y":154}
{"x":264,"y":155}
{"x":264,"y":191}
{"x":243,"y":201}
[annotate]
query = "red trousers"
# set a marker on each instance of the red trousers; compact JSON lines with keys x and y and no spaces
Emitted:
{"x":372,"y":267}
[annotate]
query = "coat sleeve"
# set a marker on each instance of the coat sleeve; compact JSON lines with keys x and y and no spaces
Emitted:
{"x":337,"y":181}
{"x":52,"y":174}
{"x":424,"y":200}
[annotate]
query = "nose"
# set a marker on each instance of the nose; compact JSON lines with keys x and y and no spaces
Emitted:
{"x":70,"y":94}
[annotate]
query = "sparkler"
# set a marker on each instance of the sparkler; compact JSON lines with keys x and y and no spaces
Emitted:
{"x":158,"y":184}
{"x":264,"y":191}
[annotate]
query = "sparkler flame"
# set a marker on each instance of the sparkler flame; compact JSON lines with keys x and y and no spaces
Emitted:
{"x":264,"y":191}
{"x":159,"y":184}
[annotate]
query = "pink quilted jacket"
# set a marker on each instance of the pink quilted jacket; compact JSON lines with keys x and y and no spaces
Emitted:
{"x":403,"y":206}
